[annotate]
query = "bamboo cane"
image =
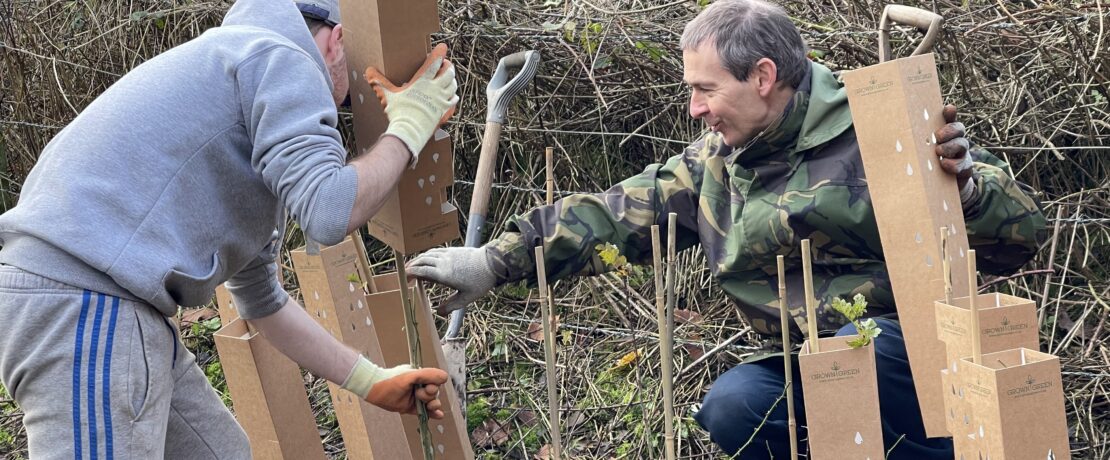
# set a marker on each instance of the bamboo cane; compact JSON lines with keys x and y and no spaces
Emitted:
{"x":549,"y":356}
{"x":811,"y":304}
{"x":661,"y":317}
{"x":412,"y":331}
{"x":946,"y":267}
{"x":666,"y":341}
{"x":973,"y":290}
{"x":364,"y":262}
{"x":784,"y":315}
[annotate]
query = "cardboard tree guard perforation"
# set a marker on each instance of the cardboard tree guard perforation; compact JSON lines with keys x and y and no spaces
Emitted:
{"x":393,"y":36}
{"x":842,"y":401}
{"x":332,"y":285}
{"x":896,"y":109}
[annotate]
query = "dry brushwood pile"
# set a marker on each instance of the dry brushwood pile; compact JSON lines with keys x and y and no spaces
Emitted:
{"x":1029,"y":77}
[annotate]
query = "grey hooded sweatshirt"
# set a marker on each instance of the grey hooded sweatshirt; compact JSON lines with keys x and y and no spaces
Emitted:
{"x":177,"y":178}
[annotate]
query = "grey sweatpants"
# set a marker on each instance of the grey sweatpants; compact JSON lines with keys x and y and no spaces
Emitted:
{"x":100,"y":377}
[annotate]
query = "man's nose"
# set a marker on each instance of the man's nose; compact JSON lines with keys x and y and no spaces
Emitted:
{"x":698,"y":108}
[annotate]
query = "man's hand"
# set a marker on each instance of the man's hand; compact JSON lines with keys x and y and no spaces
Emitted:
{"x":465,"y":270}
{"x":952,"y":149}
{"x":397,"y":389}
{"x":418,"y":107}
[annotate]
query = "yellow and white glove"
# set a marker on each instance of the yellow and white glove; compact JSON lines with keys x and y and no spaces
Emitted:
{"x":418,"y":107}
{"x":397,"y":389}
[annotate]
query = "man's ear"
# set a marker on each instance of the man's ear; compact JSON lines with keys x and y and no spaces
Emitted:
{"x":335,"y":44}
{"x":766,"y":73}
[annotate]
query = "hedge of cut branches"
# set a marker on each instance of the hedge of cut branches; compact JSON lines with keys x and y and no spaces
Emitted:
{"x":1030,"y":78}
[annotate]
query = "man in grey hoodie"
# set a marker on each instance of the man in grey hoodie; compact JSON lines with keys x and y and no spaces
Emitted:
{"x":177,"y":179}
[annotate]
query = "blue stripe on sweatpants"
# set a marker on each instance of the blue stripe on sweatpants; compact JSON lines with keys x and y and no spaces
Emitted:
{"x":77,"y":375}
{"x":106,"y":379}
{"x":91,"y":384}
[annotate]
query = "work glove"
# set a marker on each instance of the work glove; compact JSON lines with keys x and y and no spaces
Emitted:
{"x":418,"y":107}
{"x":952,"y":148}
{"x":465,"y":270}
{"x":397,"y":389}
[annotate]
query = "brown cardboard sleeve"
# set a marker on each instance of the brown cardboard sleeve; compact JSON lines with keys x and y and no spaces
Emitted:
{"x":842,"y":401}
{"x":332,"y":285}
{"x":1005,"y":322}
{"x":392,"y":36}
{"x":449,"y":436}
{"x":896,"y":109}
{"x":268,"y":395}
{"x":1018,"y":400}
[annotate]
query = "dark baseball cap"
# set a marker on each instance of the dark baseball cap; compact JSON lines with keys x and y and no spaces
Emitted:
{"x":326,"y":11}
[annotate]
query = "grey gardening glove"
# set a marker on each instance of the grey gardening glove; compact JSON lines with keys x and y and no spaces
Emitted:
{"x":465,"y":270}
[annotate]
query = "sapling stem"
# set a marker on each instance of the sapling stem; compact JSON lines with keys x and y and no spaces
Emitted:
{"x":412,"y":331}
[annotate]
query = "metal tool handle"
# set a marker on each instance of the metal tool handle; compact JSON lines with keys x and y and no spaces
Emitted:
{"x":926,"y":21}
{"x":503,"y":87}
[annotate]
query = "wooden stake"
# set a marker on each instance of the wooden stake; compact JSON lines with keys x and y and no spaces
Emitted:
{"x":811,"y":303}
{"x":784,"y":315}
{"x":412,"y":331}
{"x":666,"y":341}
{"x":549,"y":356}
{"x":973,"y":289}
{"x":946,"y":267}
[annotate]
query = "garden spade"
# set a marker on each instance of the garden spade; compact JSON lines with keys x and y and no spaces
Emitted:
{"x":513,"y":73}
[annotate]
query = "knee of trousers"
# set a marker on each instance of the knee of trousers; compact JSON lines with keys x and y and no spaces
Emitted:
{"x":734,"y":408}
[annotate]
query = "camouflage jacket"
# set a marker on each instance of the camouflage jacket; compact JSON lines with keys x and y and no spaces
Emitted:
{"x":801,"y":178}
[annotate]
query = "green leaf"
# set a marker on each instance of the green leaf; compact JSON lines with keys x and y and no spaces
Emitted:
{"x":653,"y":50}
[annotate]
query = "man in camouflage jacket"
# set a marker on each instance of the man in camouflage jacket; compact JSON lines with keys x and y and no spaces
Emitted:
{"x":780,"y":164}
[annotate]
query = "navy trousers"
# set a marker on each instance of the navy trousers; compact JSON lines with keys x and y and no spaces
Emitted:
{"x":739,"y":400}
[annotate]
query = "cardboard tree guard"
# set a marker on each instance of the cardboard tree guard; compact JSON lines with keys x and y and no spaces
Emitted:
{"x":896,"y":108}
{"x":1005,"y":322}
{"x":332,"y":285}
{"x":1017,"y":401}
{"x":393,"y":36}
{"x":267,"y":391}
{"x":842,"y":401}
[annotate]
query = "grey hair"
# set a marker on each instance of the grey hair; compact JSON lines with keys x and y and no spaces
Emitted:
{"x":745,"y":31}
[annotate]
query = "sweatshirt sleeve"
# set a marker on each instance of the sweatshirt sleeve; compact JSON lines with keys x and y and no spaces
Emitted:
{"x":255,"y":289}
{"x":1005,"y":224}
{"x":290,"y":117}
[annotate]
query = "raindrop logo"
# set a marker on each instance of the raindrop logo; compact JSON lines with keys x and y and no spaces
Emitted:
{"x":859,"y":438}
